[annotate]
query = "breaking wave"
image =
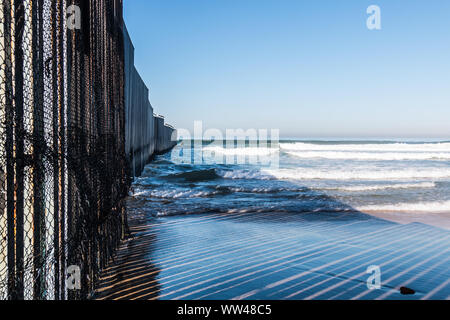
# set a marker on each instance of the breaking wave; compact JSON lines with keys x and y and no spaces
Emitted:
{"x":173,"y":194}
{"x":423,"y":185}
{"x":244,"y":151}
{"x":262,"y":190}
{"x":410,"y":207}
{"x":314,"y":174}
{"x":341,"y":155}
{"x":379,"y":147}
{"x":245,"y":174}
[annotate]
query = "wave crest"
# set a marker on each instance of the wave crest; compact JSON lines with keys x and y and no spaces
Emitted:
{"x":423,"y":185}
{"x":173,"y":194}
{"x":314,"y":174}
{"x":194,"y":176}
{"x":410,"y":207}
{"x":341,"y":155}
{"x":380,"y":147}
{"x":245,"y":151}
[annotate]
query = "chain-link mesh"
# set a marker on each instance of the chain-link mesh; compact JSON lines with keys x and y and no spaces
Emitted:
{"x":62,"y":166}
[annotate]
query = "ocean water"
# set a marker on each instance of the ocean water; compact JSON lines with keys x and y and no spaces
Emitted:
{"x":405,"y":178}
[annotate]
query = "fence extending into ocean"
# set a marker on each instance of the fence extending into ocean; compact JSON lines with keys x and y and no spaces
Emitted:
{"x":75,"y":126}
{"x":146,"y":133}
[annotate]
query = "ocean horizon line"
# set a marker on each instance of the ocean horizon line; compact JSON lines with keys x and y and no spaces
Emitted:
{"x":338,"y":139}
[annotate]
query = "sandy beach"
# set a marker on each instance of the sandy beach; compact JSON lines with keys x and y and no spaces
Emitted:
{"x":437,"y":219}
{"x":277,"y":256}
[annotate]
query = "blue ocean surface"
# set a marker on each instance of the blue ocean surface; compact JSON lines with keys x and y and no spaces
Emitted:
{"x":404,"y":178}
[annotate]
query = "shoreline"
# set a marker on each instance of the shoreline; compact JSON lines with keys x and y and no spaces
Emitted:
{"x":436,"y":219}
{"x":275,"y":255}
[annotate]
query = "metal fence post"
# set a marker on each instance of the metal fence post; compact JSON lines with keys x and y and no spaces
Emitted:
{"x":19,"y":18}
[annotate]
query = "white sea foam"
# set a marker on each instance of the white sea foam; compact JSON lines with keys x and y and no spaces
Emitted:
{"x":366,"y":174}
{"x":266,"y":190}
{"x":342,"y":155}
{"x":255,"y":190}
{"x":380,"y":147}
{"x":423,"y":185}
{"x":244,"y":151}
{"x":173,"y":194}
{"x":442,"y":206}
{"x":245,"y":174}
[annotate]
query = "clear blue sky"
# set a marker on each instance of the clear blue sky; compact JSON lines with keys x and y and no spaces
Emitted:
{"x":309,"y":68}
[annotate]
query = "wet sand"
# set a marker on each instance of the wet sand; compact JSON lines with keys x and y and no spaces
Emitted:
{"x":276,"y":256}
{"x":437,"y":219}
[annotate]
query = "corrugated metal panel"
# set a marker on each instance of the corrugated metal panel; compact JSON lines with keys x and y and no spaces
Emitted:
{"x":146,"y":133}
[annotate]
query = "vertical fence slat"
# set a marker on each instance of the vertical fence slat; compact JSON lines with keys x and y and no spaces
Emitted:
{"x":19,"y":20}
{"x":55,"y":160}
{"x":38,"y":140}
{"x":9,"y":146}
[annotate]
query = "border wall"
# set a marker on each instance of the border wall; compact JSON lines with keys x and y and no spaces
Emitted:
{"x":146,"y":133}
{"x":74,"y":114}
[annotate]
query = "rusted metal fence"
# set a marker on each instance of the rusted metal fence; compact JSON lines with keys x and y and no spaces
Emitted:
{"x":63,"y":170}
